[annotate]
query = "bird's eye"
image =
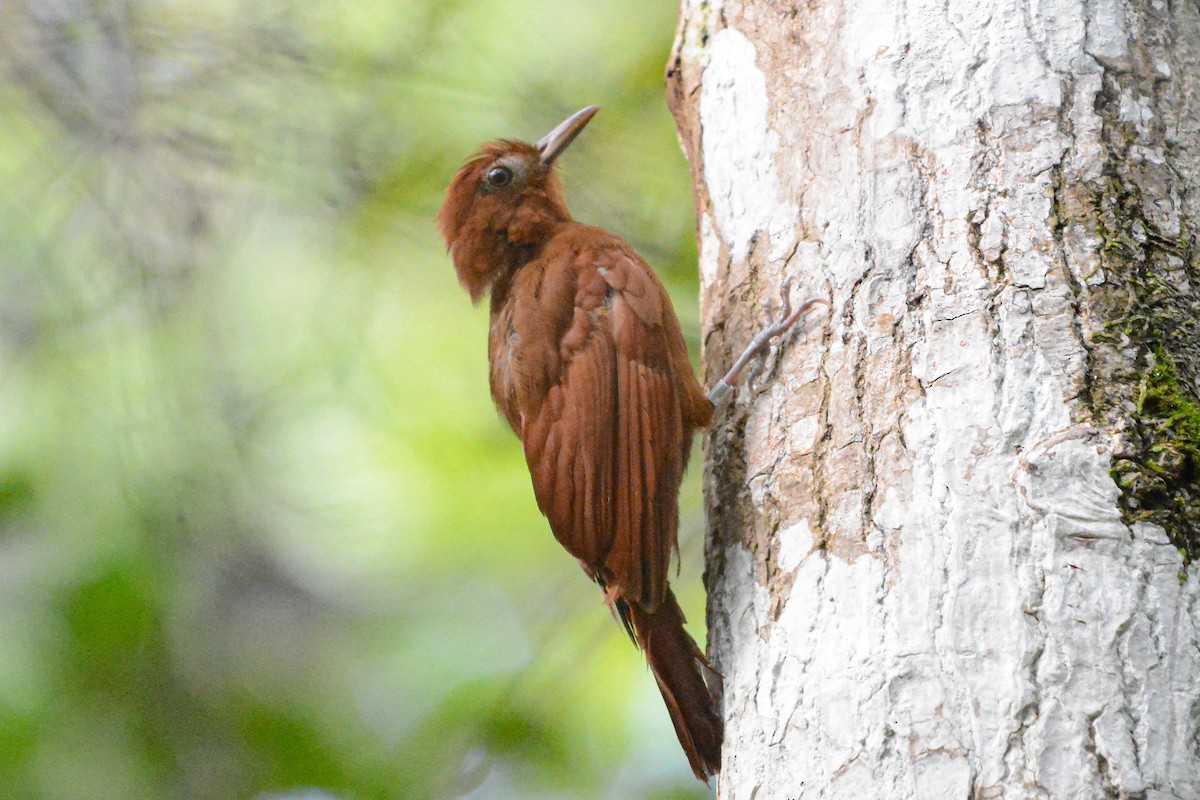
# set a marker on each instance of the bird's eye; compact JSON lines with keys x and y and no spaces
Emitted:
{"x":499,"y":176}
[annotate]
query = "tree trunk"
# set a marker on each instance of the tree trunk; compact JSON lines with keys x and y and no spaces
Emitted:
{"x":952,"y":525}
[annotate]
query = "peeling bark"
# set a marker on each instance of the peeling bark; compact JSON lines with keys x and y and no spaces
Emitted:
{"x":953,"y":523}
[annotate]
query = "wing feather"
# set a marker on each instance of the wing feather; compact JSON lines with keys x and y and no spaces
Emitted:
{"x":568,"y":453}
{"x":608,"y":446}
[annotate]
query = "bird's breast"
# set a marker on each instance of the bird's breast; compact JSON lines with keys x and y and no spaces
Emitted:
{"x":503,"y":352}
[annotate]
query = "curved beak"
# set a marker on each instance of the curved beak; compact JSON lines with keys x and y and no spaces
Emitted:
{"x":553,"y":143}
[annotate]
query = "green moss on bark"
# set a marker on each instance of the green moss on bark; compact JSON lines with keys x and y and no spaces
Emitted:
{"x":1160,"y":485}
{"x":1144,"y":365}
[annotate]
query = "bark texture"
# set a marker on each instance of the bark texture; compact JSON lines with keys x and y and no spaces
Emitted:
{"x":951,"y":527}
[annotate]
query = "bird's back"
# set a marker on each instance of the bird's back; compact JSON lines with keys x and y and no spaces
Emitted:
{"x":584,"y":282}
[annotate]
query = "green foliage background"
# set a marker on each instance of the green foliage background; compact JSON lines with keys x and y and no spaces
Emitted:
{"x":261,"y":532}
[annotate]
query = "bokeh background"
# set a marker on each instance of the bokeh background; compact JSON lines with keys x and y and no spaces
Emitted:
{"x":262,"y":534}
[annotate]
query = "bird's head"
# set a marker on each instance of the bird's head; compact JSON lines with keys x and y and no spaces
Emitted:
{"x":504,"y":202}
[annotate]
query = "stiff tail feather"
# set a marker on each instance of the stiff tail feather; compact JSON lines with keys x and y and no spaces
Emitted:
{"x":680,"y":669}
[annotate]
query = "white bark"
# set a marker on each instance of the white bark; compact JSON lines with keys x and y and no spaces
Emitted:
{"x":924,"y":582}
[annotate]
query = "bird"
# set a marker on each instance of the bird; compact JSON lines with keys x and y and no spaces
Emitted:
{"x":588,"y":367}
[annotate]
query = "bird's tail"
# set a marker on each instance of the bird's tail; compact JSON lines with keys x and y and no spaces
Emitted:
{"x":680,"y":669}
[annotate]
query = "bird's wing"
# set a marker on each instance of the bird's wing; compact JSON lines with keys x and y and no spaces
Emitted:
{"x":608,"y":446}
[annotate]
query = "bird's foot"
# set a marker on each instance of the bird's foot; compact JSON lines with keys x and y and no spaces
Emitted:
{"x":760,"y":343}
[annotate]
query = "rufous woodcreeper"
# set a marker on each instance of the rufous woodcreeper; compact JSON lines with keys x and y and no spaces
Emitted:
{"x":589,"y":368}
